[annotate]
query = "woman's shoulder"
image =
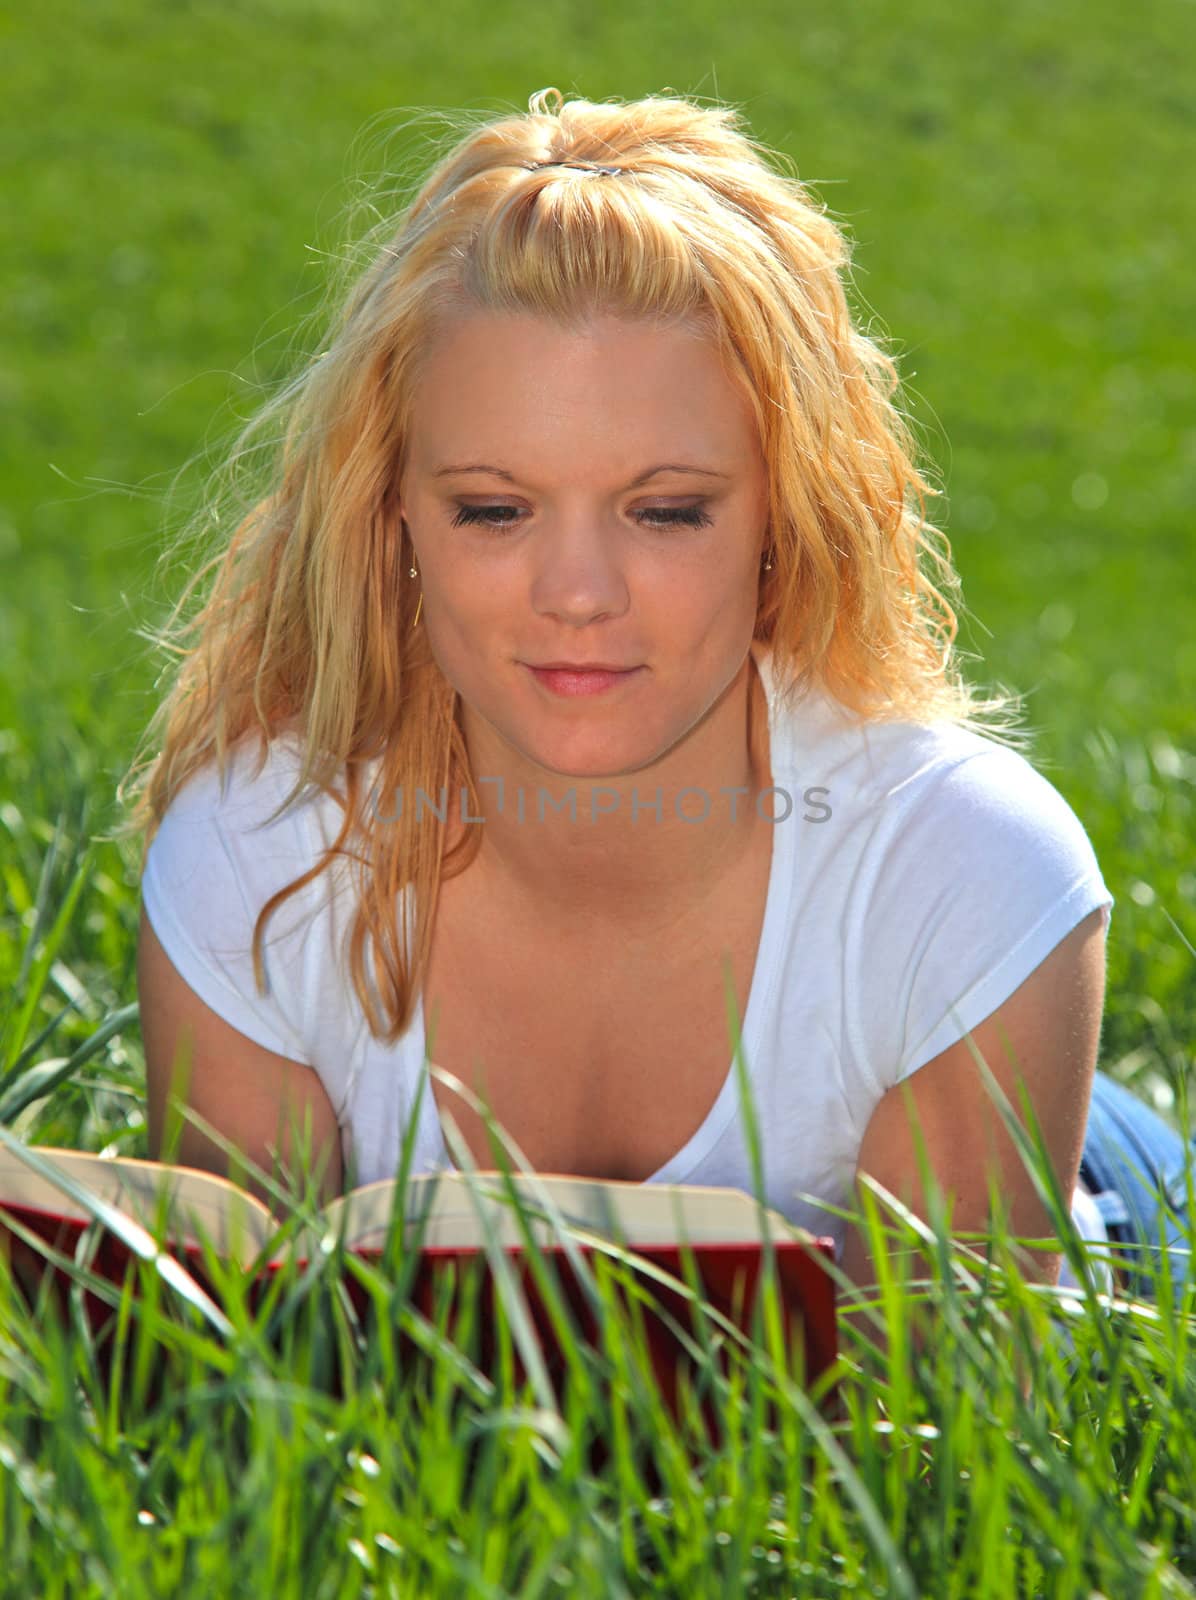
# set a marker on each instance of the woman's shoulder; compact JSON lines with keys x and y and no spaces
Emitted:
{"x":813,"y":733}
{"x":953,"y":867}
{"x":227,"y":845}
{"x":946,"y":812}
{"x":922,"y":792}
{"x":955,"y":782}
{"x":253,"y":820}
{"x":258,"y":788}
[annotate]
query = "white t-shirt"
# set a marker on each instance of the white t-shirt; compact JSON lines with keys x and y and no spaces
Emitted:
{"x":919,"y":874}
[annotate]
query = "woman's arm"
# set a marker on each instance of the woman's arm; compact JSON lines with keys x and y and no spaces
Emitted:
{"x":1047,"y":1033}
{"x":251,"y":1095}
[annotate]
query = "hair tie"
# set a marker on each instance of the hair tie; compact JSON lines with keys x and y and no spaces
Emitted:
{"x":579,"y":166}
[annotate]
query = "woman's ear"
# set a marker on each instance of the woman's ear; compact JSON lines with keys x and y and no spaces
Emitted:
{"x":392,"y":510}
{"x":405,"y":534}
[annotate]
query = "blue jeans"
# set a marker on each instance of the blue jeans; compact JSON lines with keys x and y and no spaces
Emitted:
{"x":1134,"y":1164}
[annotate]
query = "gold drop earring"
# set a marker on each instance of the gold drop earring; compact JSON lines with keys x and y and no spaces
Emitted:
{"x":413,"y":572}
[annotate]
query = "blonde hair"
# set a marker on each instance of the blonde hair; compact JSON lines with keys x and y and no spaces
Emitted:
{"x":308,"y":623}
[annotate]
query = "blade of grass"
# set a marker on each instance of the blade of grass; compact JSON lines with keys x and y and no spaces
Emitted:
{"x":29,"y":1051}
{"x":130,"y":1232}
{"x":35,"y":969}
{"x":511,"y":1295}
{"x":35,"y":1083}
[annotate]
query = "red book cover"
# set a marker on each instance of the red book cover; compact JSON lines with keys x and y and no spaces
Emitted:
{"x":730,"y":1272}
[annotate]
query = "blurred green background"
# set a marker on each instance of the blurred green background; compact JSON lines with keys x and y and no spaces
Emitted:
{"x":1017,"y":181}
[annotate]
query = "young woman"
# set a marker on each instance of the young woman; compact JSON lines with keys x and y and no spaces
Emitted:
{"x":584,"y":677}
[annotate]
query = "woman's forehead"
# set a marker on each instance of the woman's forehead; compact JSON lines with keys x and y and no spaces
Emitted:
{"x":503,"y":375}
{"x":472,"y":330}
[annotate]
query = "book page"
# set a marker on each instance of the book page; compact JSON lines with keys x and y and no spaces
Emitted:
{"x":239,"y":1225}
{"x":236,"y":1222}
{"x":636,"y":1214}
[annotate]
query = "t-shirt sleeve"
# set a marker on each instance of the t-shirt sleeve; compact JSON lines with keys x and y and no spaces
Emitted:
{"x":210,"y":868}
{"x":973,"y":877}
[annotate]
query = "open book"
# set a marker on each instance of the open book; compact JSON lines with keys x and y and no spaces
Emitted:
{"x":55,"y":1194}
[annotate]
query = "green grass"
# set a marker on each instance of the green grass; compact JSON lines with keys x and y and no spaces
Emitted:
{"x":340,"y":1443}
{"x":1016,"y":181}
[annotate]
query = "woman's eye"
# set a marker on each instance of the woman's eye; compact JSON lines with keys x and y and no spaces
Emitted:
{"x":675,"y":516}
{"x":650,"y":516}
{"x":483,"y":516}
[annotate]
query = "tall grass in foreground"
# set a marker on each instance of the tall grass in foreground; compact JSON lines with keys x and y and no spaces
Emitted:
{"x":296,"y":1450}
{"x":299,"y":1446}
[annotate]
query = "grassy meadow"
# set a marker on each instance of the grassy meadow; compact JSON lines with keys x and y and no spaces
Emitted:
{"x":180,"y":183}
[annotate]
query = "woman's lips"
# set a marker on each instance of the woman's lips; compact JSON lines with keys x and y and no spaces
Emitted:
{"x":575,"y":681}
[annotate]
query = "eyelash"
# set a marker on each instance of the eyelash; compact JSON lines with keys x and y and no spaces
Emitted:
{"x":672,"y":517}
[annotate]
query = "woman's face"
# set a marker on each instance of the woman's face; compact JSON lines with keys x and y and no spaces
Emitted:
{"x":592,"y":496}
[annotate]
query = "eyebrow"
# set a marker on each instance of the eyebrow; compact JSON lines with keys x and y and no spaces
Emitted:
{"x":652,"y":472}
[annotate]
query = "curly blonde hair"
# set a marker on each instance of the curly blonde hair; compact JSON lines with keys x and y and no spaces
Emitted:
{"x":307,"y":623}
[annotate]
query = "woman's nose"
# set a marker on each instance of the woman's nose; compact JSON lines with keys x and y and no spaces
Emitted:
{"x":579,"y":575}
